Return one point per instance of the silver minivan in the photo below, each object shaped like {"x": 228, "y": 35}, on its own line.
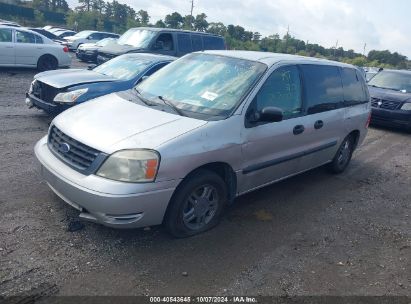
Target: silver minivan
{"x": 198, "y": 133}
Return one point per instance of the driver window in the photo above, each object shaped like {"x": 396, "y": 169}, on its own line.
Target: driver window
{"x": 282, "y": 89}
{"x": 164, "y": 42}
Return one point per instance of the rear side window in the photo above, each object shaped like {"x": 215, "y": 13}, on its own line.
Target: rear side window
{"x": 323, "y": 88}
{"x": 24, "y": 37}
{"x": 184, "y": 43}
{"x": 39, "y": 40}
{"x": 5, "y": 35}
{"x": 353, "y": 89}
{"x": 197, "y": 43}
{"x": 213, "y": 43}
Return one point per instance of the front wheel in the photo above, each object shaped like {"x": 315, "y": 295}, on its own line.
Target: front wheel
{"x": 197, "y": 204}
{"x": 343, "y": 156}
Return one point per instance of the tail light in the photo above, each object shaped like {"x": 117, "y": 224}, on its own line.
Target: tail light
{"x": 65, "y": 49}
{"x": 368, "y": 120}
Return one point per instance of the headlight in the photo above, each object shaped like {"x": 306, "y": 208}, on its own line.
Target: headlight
{"x": 69, "y": 97}
{"x": 31, "y": 86}
{"x": 137, "y": 166}
{"x": 406, "y": 106}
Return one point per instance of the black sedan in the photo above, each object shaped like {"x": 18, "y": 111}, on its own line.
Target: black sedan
{"x": 390, "y": 92}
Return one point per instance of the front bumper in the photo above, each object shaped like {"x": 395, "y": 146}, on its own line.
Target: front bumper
{"x": 86, "y": 55}
{"x": 396, "y": 118}
{"x": 111, "y": 203}
{"x": 50, "y": 108}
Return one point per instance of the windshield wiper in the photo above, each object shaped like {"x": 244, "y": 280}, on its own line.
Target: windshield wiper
{"x": 144, "y": 100}
{"x": 171, "y": 105}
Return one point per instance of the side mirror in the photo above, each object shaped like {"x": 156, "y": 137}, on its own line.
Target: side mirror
{"x": 268, "y": 114}
{"x": 89, "y": 38}
{"x": 91, "y": 66}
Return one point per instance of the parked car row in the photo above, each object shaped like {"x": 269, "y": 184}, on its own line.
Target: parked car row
{"x": 184, "y": 142}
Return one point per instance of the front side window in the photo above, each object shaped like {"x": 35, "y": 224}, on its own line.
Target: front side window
{"x": 282, "y": 90}
{"x": 6, "y": 35}
{"x": 24, "y": 37}
{"x": 164, "y": 42}
{"x": 137, "y": 38}
{"x": 398, "y": 81}
{"x": 124, "y": 67}
{"x": 203, "y": 84}
{"x": 323, "y": 88}
{"x": 213, "y": 43}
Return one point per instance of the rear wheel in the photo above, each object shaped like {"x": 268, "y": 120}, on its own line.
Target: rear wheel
{"x": 46, "y": 63}
{"x": 343, "y": 156}
{"x": 197, "y": 204}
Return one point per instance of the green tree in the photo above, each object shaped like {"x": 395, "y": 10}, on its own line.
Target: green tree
{"x": 175, "y": 20}
{"x": 160, "y": 23}
{"x": 143, "y": 16}
{"x": 200, "y": 23}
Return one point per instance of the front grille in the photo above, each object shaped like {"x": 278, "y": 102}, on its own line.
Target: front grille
{"x": 78, "y": 155}
{"x": 44, "y": 91}
{"x": 385, "y": 104}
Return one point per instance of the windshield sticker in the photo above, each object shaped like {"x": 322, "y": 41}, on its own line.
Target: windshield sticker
{"x": 209, "y": 95}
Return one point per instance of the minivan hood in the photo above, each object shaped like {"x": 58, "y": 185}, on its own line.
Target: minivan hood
{"x": 118, "y": 49}
{"x": 111, "y": 123}
{"x": 64, "y": 78}
{"x": 388, "y": 94}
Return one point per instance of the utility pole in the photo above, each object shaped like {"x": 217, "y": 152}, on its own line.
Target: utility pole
{"x": 335, "y": 48}
{"x": 286, "y": 38}
{"x": 365, "y": 44}
{"x": 191, "y": 12}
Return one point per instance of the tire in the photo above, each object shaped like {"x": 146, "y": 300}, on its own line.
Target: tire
{"x": 46, "y": 63}
{"x": 197, "y": 204}
{"x": 343, "y": 156}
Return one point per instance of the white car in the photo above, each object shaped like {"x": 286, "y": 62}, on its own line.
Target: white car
{"x": 24, "y": 48}
{"x": 73, "y": 42}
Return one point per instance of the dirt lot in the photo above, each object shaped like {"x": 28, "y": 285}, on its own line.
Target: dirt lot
{"x": 314, "y": 234}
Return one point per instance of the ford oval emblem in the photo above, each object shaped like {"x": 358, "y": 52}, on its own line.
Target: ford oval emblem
{"x": 64, "y": 148}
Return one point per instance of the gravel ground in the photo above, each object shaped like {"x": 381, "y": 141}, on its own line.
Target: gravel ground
{"x": 314, "y": 234}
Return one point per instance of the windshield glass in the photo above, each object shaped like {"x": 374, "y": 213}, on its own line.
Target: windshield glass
{"x": 83, "y": 34}
{"x": 203, "y": 83}
{"x": 123, "y": 67}
{"x": 392, "y": 80}
{"x": 137, "y": 38}
{"x": 105, "y": 41}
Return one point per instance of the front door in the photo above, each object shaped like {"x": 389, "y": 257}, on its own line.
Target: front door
{"x": 6, "y": 46}
{"x": 272, "y": 151}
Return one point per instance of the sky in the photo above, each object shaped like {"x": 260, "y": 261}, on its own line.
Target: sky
{"x": 380, "y": 24}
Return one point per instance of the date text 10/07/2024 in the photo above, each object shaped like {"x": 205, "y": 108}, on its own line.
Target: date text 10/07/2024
{"x": 204, "y": 299}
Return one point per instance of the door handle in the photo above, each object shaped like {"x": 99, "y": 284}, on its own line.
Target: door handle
{"x": 298, "y": 129}
{"x": 318, "y": 124}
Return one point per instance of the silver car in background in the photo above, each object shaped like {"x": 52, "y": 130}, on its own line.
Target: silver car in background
{"x": 21, "y": 47}
{"x": 203, "y": 130}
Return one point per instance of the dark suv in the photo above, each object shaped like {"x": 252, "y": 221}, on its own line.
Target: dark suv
{"x": 390, "y": 92}
{"x": 160, "y": 41}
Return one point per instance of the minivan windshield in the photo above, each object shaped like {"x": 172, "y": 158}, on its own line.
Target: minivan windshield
{"x": 398, "y": 81}
{"x": 203, "y": 83}
{"x": 137, "y": 38}
{"x": 124, "y": 67}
